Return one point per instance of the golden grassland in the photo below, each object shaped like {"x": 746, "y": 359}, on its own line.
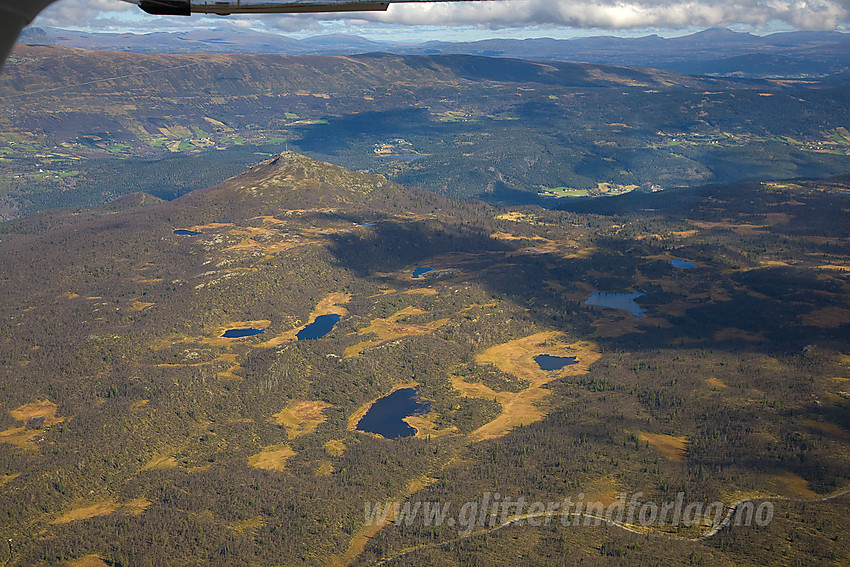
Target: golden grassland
{"x": 134, "y": 507}
{"x": 249, "y": 526}
{"x": 210, "y": 226}
{"x": 7, "y": 478}
{"x": 828, "y": 428}
{"x": 39, "y": 408}
{"x": 228, "y": 358}
{"x": 716, "y": 383}
{"x": 520, "y": 217}
{"x": 674, "y": 448}
{"x": 160, "y": 462}
{"x": 324, "y": 468}
{"x": 792, "y": 484}
{"x": 517, "y": 358}
{"x": 20, "y": 437}
{"x": 732, "y": 334}
{"x": 92, "y": 560}
{"x": 23, "y": 437}
{"x": 335, "y": 447}
{"x": 102, "y": 508}
{"x": 357, "y": 544}
{"x": 272, "y": 458}
{"x": 301, "y": 417}
{"x": 140, "y": 305}
{"x": 212, "y": 337}
{"x": 512, "y": 237}
{"x": 391, "y": 328}
{"x": 332, "y": 304}
{"x": 426, "y": 291}
{"x": 230, "y": 372}
{"x": 828, "y": 317}
{"x": 742, "y": 229}
{"x": 426, "y": 428}
{"x": 606, "y": 489}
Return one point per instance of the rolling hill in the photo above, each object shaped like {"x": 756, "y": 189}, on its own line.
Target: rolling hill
{"x": 134, "y": 432}
{"x": 75, "y": 121}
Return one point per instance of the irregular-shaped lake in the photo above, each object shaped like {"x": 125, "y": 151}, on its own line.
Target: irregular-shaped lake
{"x": 617, "y": 301}
{"x": 549, "y": 362}
{"x": 420, "y": 271}
{"x": 241, "y": 333}
{"x": 386, "y": 414}
{"x": 184, "y": 232}
{"x": 323, "y": 325}
{"x": 682, "y": 264}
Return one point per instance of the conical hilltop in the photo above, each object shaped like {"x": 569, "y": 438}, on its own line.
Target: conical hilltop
{"x": 294, "y": 179}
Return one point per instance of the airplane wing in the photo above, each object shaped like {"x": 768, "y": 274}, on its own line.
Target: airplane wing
{"x": 17, "y": 14}
{"x": 227, "y": 7}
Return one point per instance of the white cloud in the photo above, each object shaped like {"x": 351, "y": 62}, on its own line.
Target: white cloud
{"x": 287, "y": 23}
{"x": 496, "y": 14}
{"x": 80, "y": 12}
{"x": 619, "y": 14}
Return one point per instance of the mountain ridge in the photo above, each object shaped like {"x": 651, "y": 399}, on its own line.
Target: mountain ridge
{"x": 692, "y": 53}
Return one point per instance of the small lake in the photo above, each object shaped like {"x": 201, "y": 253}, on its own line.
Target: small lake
{"x": 185, "y": 232}
{"x": 242, "y": 333}
{"x": 386, "y": 414}
{"x": 617, "y": 301}
{"x": 420, "y": 271}
{"x": 549, "y": 362}
{"x": 682, "y": 264}
{"x": 323, "y": 325}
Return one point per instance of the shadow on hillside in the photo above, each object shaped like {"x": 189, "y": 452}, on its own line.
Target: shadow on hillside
{"x": 729, "y": 303}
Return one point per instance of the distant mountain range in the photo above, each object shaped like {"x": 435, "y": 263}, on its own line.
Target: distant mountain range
{"x": 720, "y": 52}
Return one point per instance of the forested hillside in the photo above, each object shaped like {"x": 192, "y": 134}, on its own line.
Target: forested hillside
{"x": 133, "y": 432}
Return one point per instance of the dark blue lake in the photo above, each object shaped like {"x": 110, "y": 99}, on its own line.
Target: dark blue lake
{"x": 617, "y": 301}
{"x": 549, "y": 362}
{"x": 323, "y": 325}
{"x": 682, "y": 264}
{"x": 419, "y": 271}
{"x": 241, "y": 333}
{"x": 386, "y": 414}
{"x": 184, "y": 232}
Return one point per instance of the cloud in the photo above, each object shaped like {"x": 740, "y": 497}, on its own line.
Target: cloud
{"x": 286, "y": 23}
{"x": 501, "y": 14}
{"x": 619, "y": 14}
{"x": 80, "y": 12}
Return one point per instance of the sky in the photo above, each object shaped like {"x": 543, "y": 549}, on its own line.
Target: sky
{"x": 456, "y": 21}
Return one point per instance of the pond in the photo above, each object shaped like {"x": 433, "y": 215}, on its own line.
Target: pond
{"x": 549, "y": 362}
{"x": 241, "y": 333}
{"x": 323, "y": 325}
{"x": 386, "y": 414}
{"x": 420, "y": 271}
{"x": 185, "y": 232}
{"x": 617, "y": 301}
{"x": 682, "y": 264}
